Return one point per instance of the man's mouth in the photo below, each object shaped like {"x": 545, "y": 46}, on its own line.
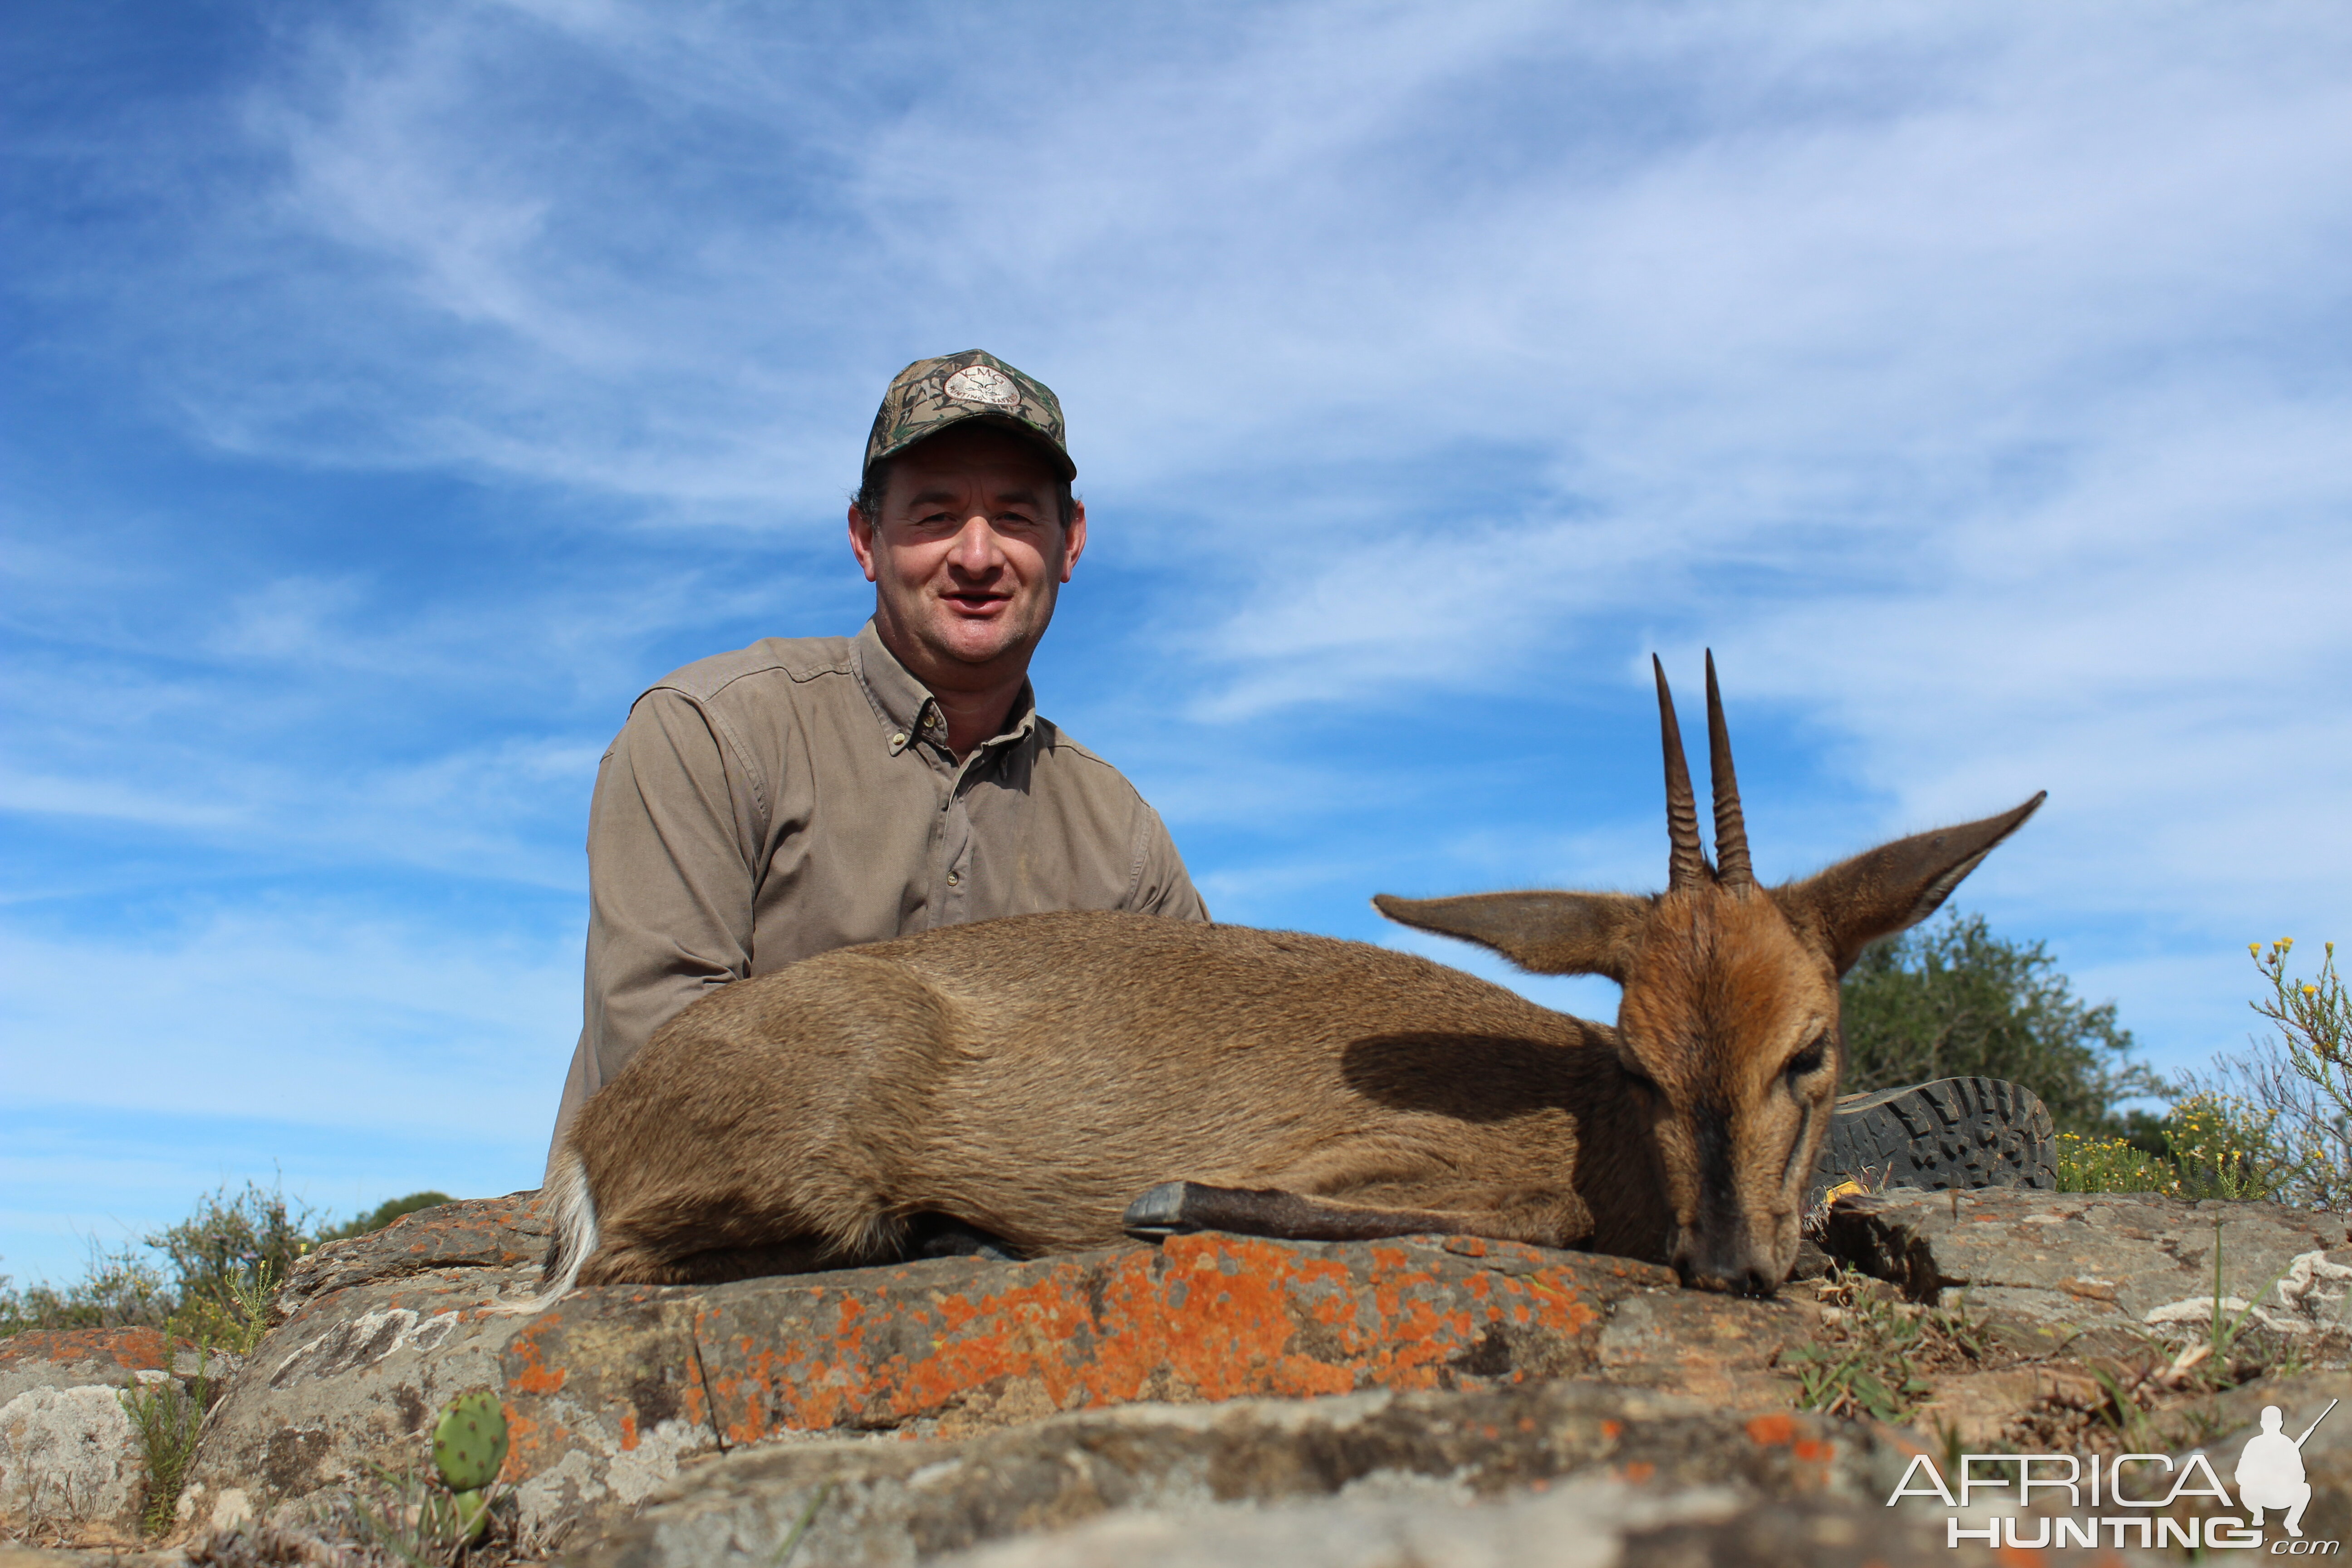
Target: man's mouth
{"x": 977, "y": 602}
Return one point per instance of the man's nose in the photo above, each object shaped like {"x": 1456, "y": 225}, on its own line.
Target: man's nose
{"x": 977, "y": 548}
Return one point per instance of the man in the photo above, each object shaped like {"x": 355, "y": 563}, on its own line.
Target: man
{"x": 803, "y": 795}
{"x": 807, "y": 793}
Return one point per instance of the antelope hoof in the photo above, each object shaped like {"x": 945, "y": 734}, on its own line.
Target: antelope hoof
{"x": 1158, "y": 1213}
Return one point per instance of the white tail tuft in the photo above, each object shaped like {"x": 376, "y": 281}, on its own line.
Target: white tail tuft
{"x": 575, "y": 1235}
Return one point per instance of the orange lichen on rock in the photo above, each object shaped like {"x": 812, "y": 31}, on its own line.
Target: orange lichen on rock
{"x": 133, "y": 1350}
{"x": 534, "y": 1376}
{"x": 1206, "y": 1317}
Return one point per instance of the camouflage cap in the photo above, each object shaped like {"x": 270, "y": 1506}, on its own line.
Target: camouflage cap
{"x": 931, "y": 394}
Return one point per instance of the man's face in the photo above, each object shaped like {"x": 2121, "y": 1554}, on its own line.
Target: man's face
{"x": 970, "y": 549}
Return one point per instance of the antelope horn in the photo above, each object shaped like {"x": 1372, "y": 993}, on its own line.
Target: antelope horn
{"x": 1730, "y": 826}
{"x": 1686, "y": 866}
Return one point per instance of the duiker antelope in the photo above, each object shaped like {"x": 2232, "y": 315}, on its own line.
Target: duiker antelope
{"x": 1059, "y": 1080}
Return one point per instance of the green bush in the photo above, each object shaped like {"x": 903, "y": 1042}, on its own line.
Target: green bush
{"x": 2090, "y": 1163}
{"x": 220, "y": 1255}
{"x": 2224, "y": 1147}
{"x": 209, "y": 1276}
{"x": 117, "y": 1289}
{"x": 1952, "y": 1000}
{"x": 2298, "y": 1081}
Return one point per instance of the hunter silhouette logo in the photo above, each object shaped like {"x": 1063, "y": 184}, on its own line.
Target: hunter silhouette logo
{"x": 2269, "y": 1478}
{"x": 2270, "y": 1470}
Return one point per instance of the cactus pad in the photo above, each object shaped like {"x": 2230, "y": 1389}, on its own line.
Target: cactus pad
{"x": 470, "y": 1441}
{"x": 473, "y": 1514}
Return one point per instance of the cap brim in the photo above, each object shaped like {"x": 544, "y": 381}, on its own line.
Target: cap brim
{"x": 1063, "y": 466}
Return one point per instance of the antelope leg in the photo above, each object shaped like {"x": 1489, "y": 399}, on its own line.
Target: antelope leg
{"x": 1176, "y": 1208}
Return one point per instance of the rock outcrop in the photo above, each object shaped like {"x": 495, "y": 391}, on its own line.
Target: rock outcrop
{"x": 71, "y": 1468}
{"x": 2104, "y": 1261}
{"x": 1203, "y": 1467}
{"x": 1215, "y": 1398}
{"x": 609, "y": 1392}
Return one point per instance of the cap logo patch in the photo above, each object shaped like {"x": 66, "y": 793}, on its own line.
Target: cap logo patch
{"x": 983, "y": 383}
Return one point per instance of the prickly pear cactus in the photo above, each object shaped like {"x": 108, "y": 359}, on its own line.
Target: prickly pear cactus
{"x": 473, "y": 1514}
{"x": 470, "y": 1441}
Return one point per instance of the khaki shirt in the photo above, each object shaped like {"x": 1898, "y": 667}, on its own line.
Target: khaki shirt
{"x": 765, "y": 805}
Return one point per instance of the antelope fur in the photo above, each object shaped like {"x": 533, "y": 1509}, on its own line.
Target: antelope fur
{"x": 1031, "y": 1076}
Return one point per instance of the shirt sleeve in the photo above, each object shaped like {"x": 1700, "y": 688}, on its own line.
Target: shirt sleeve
{"x": 672, "y": 837}
{"x": 1161, "y": 886}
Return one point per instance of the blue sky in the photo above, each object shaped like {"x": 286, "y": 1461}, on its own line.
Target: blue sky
{"x": 394, "y": 392}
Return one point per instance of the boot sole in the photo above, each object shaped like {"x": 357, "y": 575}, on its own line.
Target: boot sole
{"x": 1953, "y": 1133}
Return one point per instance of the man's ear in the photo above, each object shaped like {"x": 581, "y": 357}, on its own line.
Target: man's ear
{"x": 1893, "y": 887}
{"x": 861, "y": 541}
{"x": 1074, "y": 540}
{"x": 1546, "y": 933}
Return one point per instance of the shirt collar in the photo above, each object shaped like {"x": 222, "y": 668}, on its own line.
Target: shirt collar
{"x": 907, "y": 709}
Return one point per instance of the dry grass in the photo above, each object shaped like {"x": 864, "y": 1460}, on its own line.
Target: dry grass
{"x": 392, "y": 1520}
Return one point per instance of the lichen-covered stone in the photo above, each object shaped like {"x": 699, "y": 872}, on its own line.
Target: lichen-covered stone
{"x": 479, "y": 1233}
{"x": 71, "y": 1465}
{"x": 957, "y": 1344}
{"x": 1576, "y": 1472}
{"x": 1404, "y": 1455}
{"x": 352, "y": 1380}
{"x": 1597, "y": 1521}
{"x": 610, "y": 1391}
{"x": 965, "y": 1406}
{"x": 2083, "y": 1261}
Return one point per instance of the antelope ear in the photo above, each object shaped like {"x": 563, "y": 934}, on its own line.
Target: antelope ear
{"x": 1893, "y": 887}
{"x": 1547, "y": 933}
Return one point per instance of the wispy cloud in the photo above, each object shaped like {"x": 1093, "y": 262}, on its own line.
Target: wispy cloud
{"x": 412, "y": 385}
{"x": 327, "y": 1011}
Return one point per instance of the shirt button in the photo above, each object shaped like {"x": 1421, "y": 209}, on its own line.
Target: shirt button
{"x": 953, "y": 880}
{"x": 898, "y": 740}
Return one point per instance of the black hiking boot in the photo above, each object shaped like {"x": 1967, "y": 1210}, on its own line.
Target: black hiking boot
{"x": 943, "y": 1236}
{"x": 1953, "y": 1133}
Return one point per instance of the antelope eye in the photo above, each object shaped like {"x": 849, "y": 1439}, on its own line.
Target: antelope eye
{"x": 1809, "y": 1061}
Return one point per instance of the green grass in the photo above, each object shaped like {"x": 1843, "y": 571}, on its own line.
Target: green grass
{"x": 168, "y": 1419}
{"x": 1873, "y": 1349}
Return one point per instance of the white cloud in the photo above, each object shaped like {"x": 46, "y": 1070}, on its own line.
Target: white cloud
{"x": 1970, "y": 378}
{"x": 326, "y": 1012}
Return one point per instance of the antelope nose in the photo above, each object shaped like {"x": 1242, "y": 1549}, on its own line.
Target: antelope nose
{"x": 1740, "y": 1275}
{"x": 1748, "y": 1281}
